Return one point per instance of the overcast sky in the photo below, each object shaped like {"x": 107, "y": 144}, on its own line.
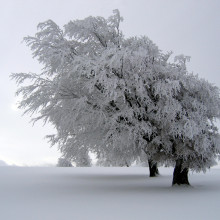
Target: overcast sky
{"x": 189, "y": 27}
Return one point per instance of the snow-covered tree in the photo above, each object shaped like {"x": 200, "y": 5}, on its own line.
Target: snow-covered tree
{"x": 63, "y": 162}
{"x": 186, "y": 135}
{"x": 119, "y": 98}
{"x": 68, "y": 92}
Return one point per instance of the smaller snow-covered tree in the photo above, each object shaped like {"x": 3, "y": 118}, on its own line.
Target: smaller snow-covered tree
{"x": 63, "y": 162}
{"x": 186, "y": 135}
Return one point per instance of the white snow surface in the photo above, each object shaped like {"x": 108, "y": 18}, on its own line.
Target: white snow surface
{"x": 28, "y": 193}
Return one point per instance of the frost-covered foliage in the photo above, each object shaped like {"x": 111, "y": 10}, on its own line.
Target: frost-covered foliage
{"x": 186, "y": 116}
{"x": 63, "y": 162}
{"x": 118, "y": 97}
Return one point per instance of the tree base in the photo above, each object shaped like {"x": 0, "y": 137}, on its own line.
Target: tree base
{"x": 153, "y": 168}
{"x": 180, "y": 176}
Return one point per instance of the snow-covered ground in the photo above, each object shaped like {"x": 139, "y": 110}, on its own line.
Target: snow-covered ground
{"x": 106, "y": 194}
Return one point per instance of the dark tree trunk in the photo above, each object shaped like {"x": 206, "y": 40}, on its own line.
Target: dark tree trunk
{"x": 180, "y": 175}
{"x": 153, "y": 168}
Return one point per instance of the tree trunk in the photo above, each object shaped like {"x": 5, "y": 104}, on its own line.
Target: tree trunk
{"x": 180, "y": 175}
{"x": 153, "y": 168}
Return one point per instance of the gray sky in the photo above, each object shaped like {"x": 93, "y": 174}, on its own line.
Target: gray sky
{"x": 189, "y": 27}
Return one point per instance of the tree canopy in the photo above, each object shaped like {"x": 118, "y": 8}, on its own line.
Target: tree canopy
{"x": 118, "y": 97}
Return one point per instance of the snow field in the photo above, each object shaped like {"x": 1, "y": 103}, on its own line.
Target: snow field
{"x": 105, "y": 194}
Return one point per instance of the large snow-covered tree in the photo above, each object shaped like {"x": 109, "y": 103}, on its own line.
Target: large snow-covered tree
{"x": 119, "y": 97}
{"x": 69, "y": 91}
